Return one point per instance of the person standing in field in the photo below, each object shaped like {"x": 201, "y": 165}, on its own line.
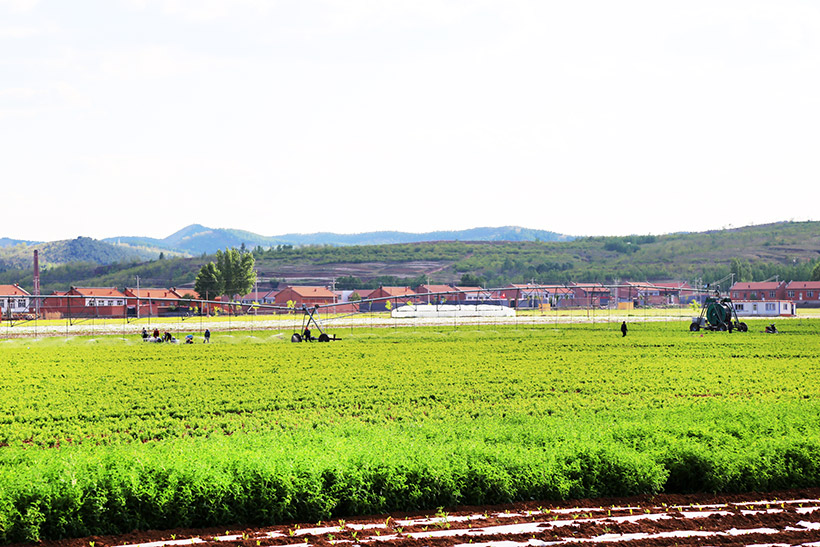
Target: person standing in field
{"x": 623, "y": 328}
{"x": 207, "y": 336}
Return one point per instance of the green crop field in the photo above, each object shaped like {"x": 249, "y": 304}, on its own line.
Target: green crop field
{"x": 110, "y": 434}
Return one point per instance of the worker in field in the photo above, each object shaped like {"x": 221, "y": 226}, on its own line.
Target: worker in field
{"x": 623, "y": 329}
{"x": 207, "y": 336}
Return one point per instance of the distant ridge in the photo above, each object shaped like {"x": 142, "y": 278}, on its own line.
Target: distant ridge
{"x": 6, "y": 242}
{"x": 81, "y": 249}
{"x": 197, "y": 239}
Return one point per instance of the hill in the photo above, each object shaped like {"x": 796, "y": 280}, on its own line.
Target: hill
{"x": 789, "y": 250}
{"x": 6, "y": 242}
{"x": 197, "y": 239}
{"x": 83, "y": 249}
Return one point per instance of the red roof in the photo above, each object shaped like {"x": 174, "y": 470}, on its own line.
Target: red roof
{"x": 591, "y": 287}
{"x": 152, "y": 293}
{"x": 810, "y": 285}
{"x": 98, "y": 291}
{"x": 312, "y": 292}
{"x": 755, "y": 286}
{"x": 13, "y": 290}
{"x": 396, "y": 291}
{"x": 434, "y": 288}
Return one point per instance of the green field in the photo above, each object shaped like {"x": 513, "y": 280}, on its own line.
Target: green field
{"x": 109, "y": 434}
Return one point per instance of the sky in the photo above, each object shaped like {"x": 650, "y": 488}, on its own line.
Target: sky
{"x": 139, "y": 117}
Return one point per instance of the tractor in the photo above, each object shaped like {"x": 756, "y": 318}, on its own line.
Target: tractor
{"x": 717, "y": 314}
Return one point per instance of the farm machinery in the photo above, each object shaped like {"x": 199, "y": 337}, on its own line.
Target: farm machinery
{"x": 717, "y": 314}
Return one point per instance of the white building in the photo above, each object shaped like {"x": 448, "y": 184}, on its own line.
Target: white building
{"x": 765, "y": 308}
{"x": 14, "y": 297}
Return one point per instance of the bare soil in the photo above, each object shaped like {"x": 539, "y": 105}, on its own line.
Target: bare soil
{"x": 781, "y": 518}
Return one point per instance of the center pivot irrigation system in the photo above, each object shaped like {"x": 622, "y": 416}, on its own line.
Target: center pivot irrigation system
{"x": 717, "y": 314}
{"x": 310, "y": 315}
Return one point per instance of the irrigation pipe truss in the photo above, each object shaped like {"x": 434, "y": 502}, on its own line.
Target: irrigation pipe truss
{"x": 563, "y": 300}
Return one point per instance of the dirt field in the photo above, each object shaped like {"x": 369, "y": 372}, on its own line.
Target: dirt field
{"x": 779, "y": 518}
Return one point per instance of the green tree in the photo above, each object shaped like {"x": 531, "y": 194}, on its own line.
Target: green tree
{"x": 236, "y": 271}
{"x": 815, "y": 273}
{"x": 741, "y": 269}
{"x": 208, "y": 282}
{"x": 471, "y": 280}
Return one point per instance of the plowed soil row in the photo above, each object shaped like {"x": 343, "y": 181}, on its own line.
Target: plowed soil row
{"x": 779, "y": 518}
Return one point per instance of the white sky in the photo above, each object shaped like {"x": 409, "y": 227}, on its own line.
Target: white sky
{"x": 139, "y": 117}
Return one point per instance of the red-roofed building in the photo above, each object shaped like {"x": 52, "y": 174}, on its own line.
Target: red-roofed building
{"x": 152, "y": 302}
{"x": 758, "y": 290}
{"x": 193, "y": 300}
{"x": 472, "y": 295}
{"x": 590, "y": 295}
{"x": 347, "y": 301}
{"x": 427, "y": 294}
{"x": 520, "y": 295}
{"x": 400, "y": 295}
{"x": 397, "y": 296}
{"x": 14, "y": 300}
{"x": 804, "y": 293}
{"x": 52, "y": 304}
{"x": 654, "y": 294}
{"x": 674, "y": 293}
{"x": 87, "y": 302}
{"x": 305, "y": 296}
{"x": 361, "y": 293}
{"x": 257, "y": 301}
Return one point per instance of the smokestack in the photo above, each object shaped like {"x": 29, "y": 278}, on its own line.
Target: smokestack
{"x": 37, "y": 282}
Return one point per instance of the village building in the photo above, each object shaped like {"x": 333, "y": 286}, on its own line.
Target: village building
{"x": 472, "y": 295}
{"x": 759, "y": 290}
{"x": 348, "y": 300}
{"x": 307, "y": 296}
{"x": 396, "y": 296}
{"x": 14, "y": 300}
{"x": 260, "y": 297}
{"x": 527, "y": 295}
{"x": 259, "y": 301}
{"x": 765, "y": 308}
{"x": 354, "y": 295}
{"x": 151, "y": 302}
{"x": 590, "y": 295}
{"x": 436, "y": 294}
{"x": 86, "y": 302}
{"x": 804, "y": 293}
{"x": 675, "y": 293}
{"x": 670, "y": 293}
{"x": 196, "y": 304}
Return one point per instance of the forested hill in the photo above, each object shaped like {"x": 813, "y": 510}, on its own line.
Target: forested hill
{"x": 19, "y": 255}
{"x": 197, "y": 239}
{"x": 790, "y": 250}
